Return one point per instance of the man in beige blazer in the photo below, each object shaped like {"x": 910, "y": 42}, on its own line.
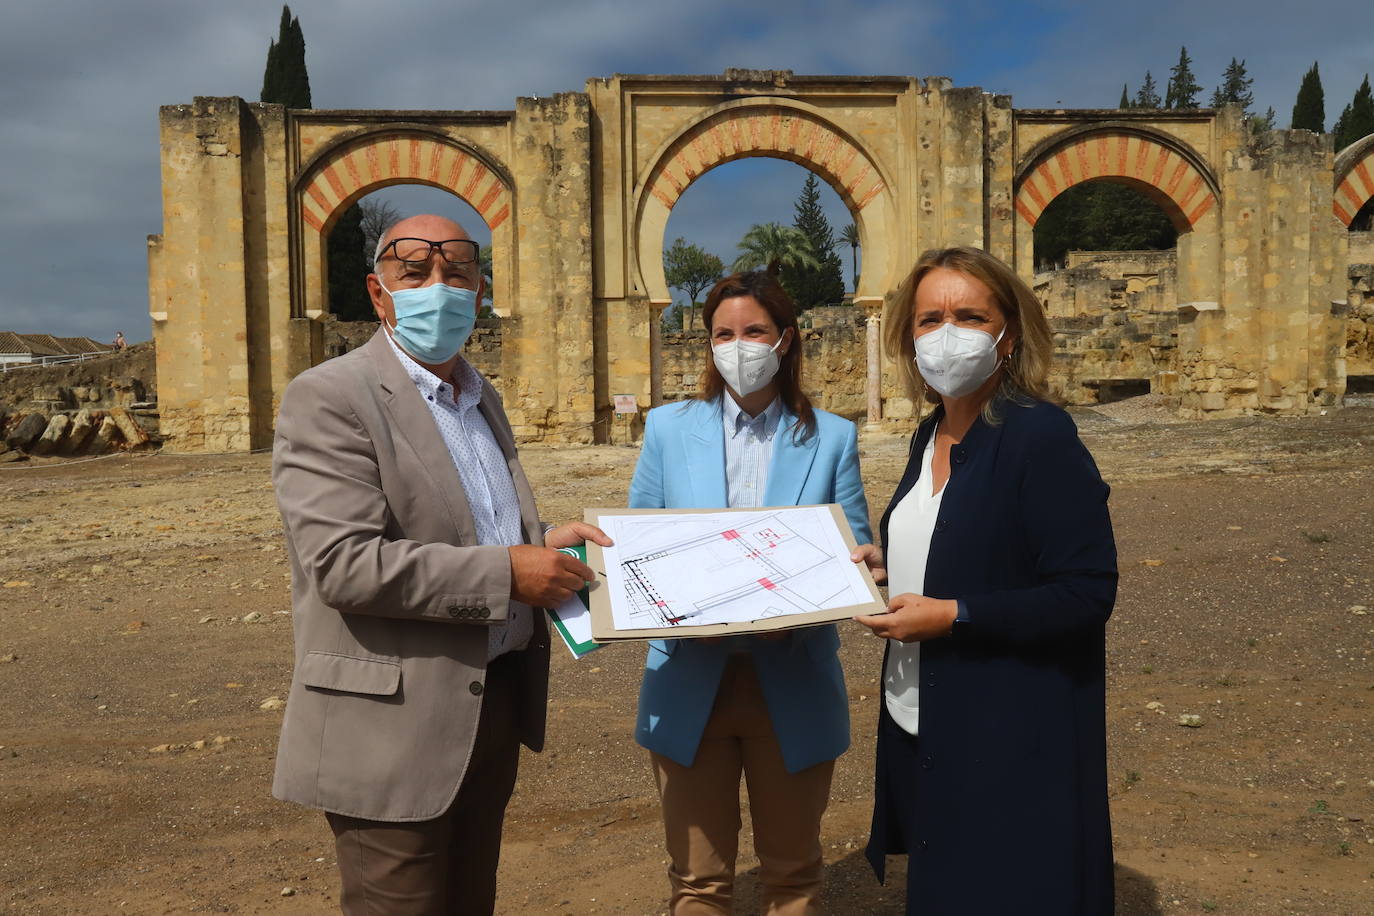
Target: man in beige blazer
{"x": 418, "y": 563}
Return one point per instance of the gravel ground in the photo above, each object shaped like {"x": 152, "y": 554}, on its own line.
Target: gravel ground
{"x": 130, "y": 587}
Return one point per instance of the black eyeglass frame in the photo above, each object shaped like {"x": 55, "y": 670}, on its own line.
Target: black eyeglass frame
{"x": 433, "y": 247}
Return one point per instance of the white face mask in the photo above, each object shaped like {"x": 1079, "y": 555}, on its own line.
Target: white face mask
{"x": 747, "y": 366}
{"x": 957, "y": 361}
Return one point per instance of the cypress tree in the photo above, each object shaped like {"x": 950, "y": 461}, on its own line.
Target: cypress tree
{"x": 1357, "y": 120}
{"x": 286, "y": 82}
{"x": 824, "y": 283}
{"x": 1309, "y": 111}
{"x": 284, "y": 79}
{"x": 1234, "y": 88}
{"x": 1147, "y": 96}
{"x": 1183, "y": 86}
{"x": 1125, "y": 98}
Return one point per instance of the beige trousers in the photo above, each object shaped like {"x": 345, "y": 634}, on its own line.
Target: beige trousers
{"x": 701, "y": 809}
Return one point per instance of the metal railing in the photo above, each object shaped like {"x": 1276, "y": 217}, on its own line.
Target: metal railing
{"x": 58, "y": 360}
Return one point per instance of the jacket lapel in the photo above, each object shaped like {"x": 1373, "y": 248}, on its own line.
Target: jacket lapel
{"x": 913, "y": 467}
{"x": 791, "y": 463}
{"x": 703, "y": 442}
{"x": 412, "y": 421}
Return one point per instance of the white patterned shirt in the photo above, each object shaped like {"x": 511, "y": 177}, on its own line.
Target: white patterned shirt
{"x": 748, "y": 451}
{"x": 484, "y": 474}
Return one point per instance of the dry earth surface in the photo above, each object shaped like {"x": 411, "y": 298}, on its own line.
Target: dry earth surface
{"x": 128, "y": 636}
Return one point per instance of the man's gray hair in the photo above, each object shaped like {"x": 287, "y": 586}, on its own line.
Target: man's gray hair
{"x": 381, "y": 243}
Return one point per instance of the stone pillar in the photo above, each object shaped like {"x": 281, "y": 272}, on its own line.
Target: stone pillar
{"x": 656, "y": 309}
{"x": 873, "y": 337}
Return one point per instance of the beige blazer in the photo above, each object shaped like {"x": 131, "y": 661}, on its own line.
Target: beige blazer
{"x": 390, "y": 594}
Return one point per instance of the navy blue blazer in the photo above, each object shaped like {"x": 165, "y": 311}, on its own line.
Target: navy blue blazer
{"x": 1009, "y": 781}
{"x": 682, "y": 466}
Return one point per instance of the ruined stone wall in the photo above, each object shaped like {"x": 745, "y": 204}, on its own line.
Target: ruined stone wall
{"x": 833, "y": 361}
{"x": 1359, "y": 323}
{"x": 483, "y": 349}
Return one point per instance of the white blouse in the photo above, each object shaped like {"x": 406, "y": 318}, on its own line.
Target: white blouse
{"x": 908, "y": 545}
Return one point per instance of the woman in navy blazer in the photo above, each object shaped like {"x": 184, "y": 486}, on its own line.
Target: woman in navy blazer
{"x": 773, "y": 708}
{"x": 991, "y": 764}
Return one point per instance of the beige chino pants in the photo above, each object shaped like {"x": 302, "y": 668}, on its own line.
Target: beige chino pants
{"x": 701, "y": 809}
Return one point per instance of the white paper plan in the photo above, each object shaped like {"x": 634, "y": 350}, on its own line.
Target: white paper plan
{"x": 708, "y": 568}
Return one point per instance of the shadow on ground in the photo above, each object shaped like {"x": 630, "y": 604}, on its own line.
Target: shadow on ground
{"x": 852, "y": 890}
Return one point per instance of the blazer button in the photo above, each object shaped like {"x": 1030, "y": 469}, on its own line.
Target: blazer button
{"x": 941, "y": 525}
{"x": 960, "y": 456}
{"x": 485, "y": 612}
{"x": 475, "y": 688}
{"x": 455, "y": 611}
{"x": 930, "y": 679}
{"x": 928, "y": 762}
{"x": 923, "y": 846}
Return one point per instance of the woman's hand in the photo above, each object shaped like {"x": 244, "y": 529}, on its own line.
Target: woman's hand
{"x": 913, "y": 618}
{"x": 872, "y": 557}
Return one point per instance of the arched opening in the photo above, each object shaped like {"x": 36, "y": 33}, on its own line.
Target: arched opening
{"x": 1353, "y": 205}
{"x": 449, "y": 177}
{"x": 1119, "y": 228}
{"x": 731, "y": 216}
{"x": 352, "y": 241}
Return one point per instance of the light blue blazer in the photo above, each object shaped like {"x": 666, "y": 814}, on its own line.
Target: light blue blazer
{"x": 682, "y": 466}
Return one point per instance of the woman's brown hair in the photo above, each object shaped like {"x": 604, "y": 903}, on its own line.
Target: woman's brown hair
{"x": 1025, "y": 375}
{"x": 770, "y": 295}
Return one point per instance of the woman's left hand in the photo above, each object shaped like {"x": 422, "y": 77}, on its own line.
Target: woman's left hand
{"x": 913, "y": 618}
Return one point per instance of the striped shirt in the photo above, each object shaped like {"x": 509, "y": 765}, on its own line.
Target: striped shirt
{"x": 748, "y": 451}
{"x": 484, "y": 474}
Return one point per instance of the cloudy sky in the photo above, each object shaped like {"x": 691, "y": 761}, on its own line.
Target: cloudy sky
{"x": 81, "y": 82}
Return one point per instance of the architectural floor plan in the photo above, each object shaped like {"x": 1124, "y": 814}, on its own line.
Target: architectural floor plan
{"x": 669, "y": 570}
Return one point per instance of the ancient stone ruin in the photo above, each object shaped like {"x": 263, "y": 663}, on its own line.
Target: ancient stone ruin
{"x": 1253, "y": 313}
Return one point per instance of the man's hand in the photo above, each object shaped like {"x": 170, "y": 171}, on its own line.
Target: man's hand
{"x": 544, "y": 577}
{"x": 913, "y": 618}
{"x": 872, "y": 557}
{"x": 574, "y": 533}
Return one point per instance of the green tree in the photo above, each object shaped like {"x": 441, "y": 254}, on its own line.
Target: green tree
{"x": 1309, "y": 111}
{"x": 1100, "y": 216}
{"x": 1125, "y": 98}
{"x": 1234, "y": 88}
{"x": 691, "y": 269}
{"x": 284, "y": 79}
{"x": 286, "y": 82}
{"x": 484, "y": 265}
{"x": 1147, "y": 96}
{"x": 1183, "y": 86}
{"x": 348, "y": 267}
{"x": 850, "y": 237}
{"x": 770, "y": 246}
{"x": 823, "y": 283}
{"x": 1357, "y": 119}
{"x": 1260, "y": 123}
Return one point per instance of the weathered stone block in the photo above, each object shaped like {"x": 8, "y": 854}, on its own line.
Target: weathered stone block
{"x": 28, "y": 428}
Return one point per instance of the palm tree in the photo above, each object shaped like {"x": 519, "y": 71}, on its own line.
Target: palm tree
{"x": 772, "y": 245}
{"x": 850, "y": 237}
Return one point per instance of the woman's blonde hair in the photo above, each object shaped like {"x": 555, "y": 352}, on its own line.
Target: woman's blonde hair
{"x": 1025, "y": 375}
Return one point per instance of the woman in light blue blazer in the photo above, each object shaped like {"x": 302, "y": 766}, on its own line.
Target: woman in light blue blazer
{"x": 771, "y": 708}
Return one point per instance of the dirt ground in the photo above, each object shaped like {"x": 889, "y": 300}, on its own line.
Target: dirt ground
{"x": 1247, "y": 599}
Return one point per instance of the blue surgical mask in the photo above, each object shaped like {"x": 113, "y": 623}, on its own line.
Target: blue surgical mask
{"x": 433, "y": 322}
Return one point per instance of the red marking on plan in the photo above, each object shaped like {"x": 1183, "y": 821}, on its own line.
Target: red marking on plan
{"x": 766, "y": 583}
{"x": 661, "y": 603}
{"x": 731, "y": 535}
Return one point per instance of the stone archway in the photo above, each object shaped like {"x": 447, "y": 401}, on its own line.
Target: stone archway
{"x": 1160, "y": 166}
{"x": 1354, "y": 174}
{"x": 360, "y": 163}
{"x": 771, "y": 128}
{"x": 577, "y": 188}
